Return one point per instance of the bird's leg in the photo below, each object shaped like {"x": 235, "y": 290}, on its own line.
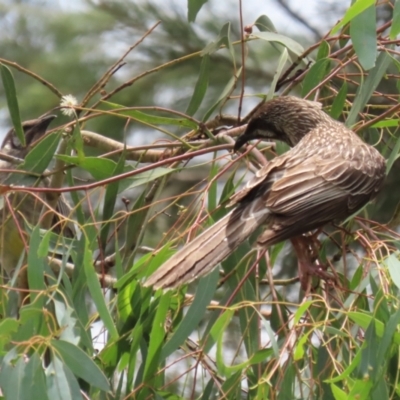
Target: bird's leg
{"x": 306, "y": 248}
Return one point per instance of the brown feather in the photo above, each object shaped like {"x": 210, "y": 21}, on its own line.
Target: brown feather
{"x": 328, "y": 174}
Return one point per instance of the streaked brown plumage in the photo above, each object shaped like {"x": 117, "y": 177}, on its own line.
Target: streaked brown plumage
{"x": 329, "y": 174}
{"x": 34, "y": 129}
{"x": 26, "y": 208}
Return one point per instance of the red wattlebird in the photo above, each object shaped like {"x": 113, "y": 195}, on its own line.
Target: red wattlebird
{"x": 328, "y": 174}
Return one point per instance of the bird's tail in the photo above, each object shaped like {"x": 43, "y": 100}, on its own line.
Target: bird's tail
{"x": 201, "y": 255}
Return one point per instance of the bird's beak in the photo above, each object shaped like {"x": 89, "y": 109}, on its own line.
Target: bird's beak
{"x": 243, "y": 139}
{"x": 42, "y": 123}
{"x": 36, "y": 129}
{"x": 252, "y": 131}
{"x": 259, "y": 128}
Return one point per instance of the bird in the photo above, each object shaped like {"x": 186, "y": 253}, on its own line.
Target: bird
{"x": 328, "y": 174}
{"x": 25, "y": 207}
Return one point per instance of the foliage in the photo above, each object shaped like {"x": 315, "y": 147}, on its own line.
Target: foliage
{"x": 249, "y": 332}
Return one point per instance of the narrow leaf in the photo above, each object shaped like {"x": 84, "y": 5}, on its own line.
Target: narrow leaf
{"x": 157, "y": 337}
{"x": 226, "y": 92}
{"x": 12, "y": 102}
{"x": 395, "y": 28}
{"x": 363, "y": 36}
{"x": 366, "y": 88}
{"x": 292, "y": 46}
{"x": 281, "y": 65}
{"x": 223, "y": 39}
{"x": 315, "y": 75}
{"x": 140, "y": 116}
{"x": 109, "y": 201}
{"x": 356, "y": 8}
{"x": 204, "y": 294}
{"x": 201, "y": 86}
{"x": 97, "y": 294}
{"x": 323, "y": 51}
{"x": 80, "y": 364}
{"x": 61, "y": 383}
{"x": 194, "y": 7}
{"x": 264, "y": 24}
{"x": 393, "y": 265}
{"x": 339, "y": 102}
{"x": 39, "y": 158}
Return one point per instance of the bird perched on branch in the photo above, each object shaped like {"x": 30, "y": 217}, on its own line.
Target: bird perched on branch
{"x": 328, "y": 174}
{"x": 26, "y": 208}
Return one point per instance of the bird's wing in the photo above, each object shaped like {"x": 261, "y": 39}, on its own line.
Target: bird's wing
{"x": 262, "y": 180}
{"x": 309, "y": 192}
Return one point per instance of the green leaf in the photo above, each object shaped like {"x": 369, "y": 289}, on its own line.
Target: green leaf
{"x": 356, "y": 8}
{"x": 348, "y": 371}
{"x": 272, "y": 337}
{"x": 275, "y": 251}
{"x": 226, "y": 92}
{"x": 39, "y": 158}
{"x": 61, "y": 382}
{"x": 363, "y": 36}
{"x": 99, "y": 168}
{"x": 11, "y": 375}
{"x": 157, "y": 337}
{"x": 300, "y": 347}
{"x": 232, "y": 385}
{"x": 217, "y": 330}
{"x": 393, "y": 265}
{"x": 76, "y": 142}
{"x": 339, "y": 102}
{"x": 109, "y": 201}
{"x": 145, "y": 177}
{"x": 97, "y": 293}
{"x": 33, "y": 383}
{"x": 36, "y": 267}
{"x": 301, "y": 310}
{"x": 8, "y": 326}
{"x": 194, "y": 7}
{"x": 315, "y": 75}
{"x": 134, "y": 225}
{"x": 264, "y": 24}
{"x": 102, "y": 168}
{"x": 288, "y": 384}
{"x": 67, "y": 318}
{"x": 339, "y": 394}
{"x": 323, "y": 51}
{"x": 387, "y": 339}
{"x": 43, "y": 249}
{"x": 12, "y": 102}
{"x": 201, "y": 86}
{"x": 80, "y": 364}
{"x": 364, "y": 320}
{"x": 367, "y": 87}
{"x": 149, "y": 119}
{"x": 387, "y": 123}
{"x": 361, "y": 389}
{"x": 228, "y": 190}
{"x": 281, "y": 65}
{"x": 368, "y": 368}
{"x": 204, "y": 294}
{"x": 292, "y": 46}
{"x": 395, "y": 28}
{"x": 223, "y": 38}
{"x": 394, "y": 154}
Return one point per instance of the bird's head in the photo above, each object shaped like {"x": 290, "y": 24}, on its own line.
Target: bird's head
{"x": 285, "y": 118}
{"x": 33, "y": 130}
